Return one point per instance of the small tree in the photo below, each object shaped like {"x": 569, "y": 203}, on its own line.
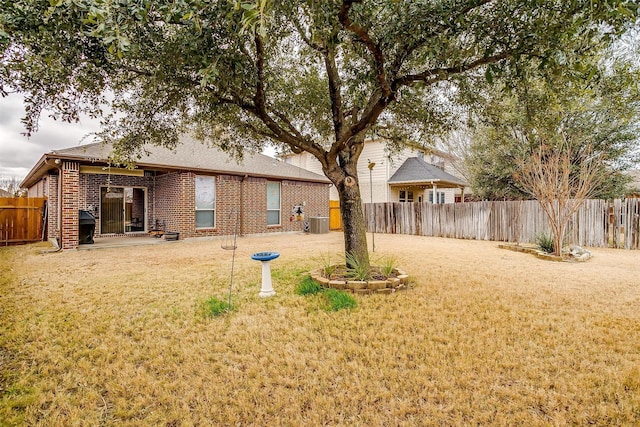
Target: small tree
{"x": 600, "y": 111}
{"x": 561, "y": 177}
{"x": 458, "y": 144}
{"x": 10, "y": 184}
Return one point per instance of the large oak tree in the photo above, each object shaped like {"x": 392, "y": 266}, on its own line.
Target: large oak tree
{"x": 309, "y": 75}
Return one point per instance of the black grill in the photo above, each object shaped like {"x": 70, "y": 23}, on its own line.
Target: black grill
{"x": 86, "y": 227}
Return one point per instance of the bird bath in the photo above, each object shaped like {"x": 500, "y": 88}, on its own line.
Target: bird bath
{"x": 267, "y": 286}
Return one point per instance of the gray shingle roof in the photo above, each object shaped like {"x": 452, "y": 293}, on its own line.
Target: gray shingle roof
{"x": 416, "y": 170}
{"x": 196, "y": 156}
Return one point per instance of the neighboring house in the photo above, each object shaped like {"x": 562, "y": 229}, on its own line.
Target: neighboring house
{"x": 5, "y": 193}
{"x": 634, "y": 185}
{"x": 194, "y": 190}
{"x": 413, "y": 175}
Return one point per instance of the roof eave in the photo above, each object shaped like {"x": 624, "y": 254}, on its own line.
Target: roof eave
{"x": 42, "y": 167}
{"x": 228, "y": 172}
{"x": 428, "y": 181}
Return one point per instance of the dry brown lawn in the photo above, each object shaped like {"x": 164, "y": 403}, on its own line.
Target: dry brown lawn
{"x": 486, "y": 336}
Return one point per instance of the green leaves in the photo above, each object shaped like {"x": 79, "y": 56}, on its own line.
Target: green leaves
{"x": 255, "y": 16}
{"x": 202, "y": 60}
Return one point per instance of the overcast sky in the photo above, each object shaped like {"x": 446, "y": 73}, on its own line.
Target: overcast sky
{"x": 18, "y": 154}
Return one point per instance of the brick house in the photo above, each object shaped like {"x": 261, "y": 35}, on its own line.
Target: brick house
{"x": 633, "y": 189}
{"x": 194, "y": 190}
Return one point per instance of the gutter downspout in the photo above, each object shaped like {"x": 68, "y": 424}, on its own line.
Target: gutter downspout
{"x": 57, "y": 163}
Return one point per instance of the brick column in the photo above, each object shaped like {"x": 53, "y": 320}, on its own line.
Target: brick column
{"x": 70, "y": 181}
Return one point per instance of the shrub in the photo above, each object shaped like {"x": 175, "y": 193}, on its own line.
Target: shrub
{"x": 338, "y": 300}
{"x": 356, "y": 269}
{"x": 308, "y": 286}
{"x": 545, "y": 242}
{"x": 215, "y": 307}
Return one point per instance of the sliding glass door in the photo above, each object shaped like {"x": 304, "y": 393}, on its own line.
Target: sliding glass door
{"x": 122, "y": 210}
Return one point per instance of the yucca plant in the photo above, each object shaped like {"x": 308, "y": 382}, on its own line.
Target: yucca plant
{"x": 356, "y": 269}
{"x": 388, "y": 264}
{"x": 545, "y": 242}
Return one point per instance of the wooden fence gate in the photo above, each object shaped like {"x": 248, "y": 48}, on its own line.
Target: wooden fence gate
{"x": 21, "y": 220}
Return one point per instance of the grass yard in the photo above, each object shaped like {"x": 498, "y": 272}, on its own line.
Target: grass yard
{"x": 486, "y": 336}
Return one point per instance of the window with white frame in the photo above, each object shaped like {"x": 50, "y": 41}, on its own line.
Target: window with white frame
{"x": 205, "y": 201}
{"x": 439, "y": 197}
{"x": 273, "y": 203}
{"x": 406, "y": 196}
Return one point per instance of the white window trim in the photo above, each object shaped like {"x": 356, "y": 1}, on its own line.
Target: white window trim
{"x": 406, "y": 197}
{"x": 440, "y": 196}
{"x": 279, "y": 210}
{"x": 208, "y": 227}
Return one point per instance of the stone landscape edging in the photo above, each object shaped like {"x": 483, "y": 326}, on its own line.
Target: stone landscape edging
{"x": 541, "y": 254}
{"x": 392, "y": 284}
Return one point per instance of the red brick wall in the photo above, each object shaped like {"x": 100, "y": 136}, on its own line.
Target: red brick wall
{"x": 53, "y": 228}
{"x": 175, "y": 204}
{"x": 254, "y": 208}
{"x": 170, "y": 194}
{"x": 228, "y": 208}
{"x": 314, "y": 196}
{"x": 171, "y": 200}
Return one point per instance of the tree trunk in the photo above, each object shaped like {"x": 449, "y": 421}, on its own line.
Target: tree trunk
{"x": 557, "y": 243}
{"x": 559, "y": 235}
{"x": 344, "y": 176}
{"x": 355, "y": 232}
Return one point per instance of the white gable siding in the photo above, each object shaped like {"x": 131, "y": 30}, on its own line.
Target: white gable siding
{"x": 385, "y": 167}
{"x": 379, "y": 174}
{"x": 305, "y": 161}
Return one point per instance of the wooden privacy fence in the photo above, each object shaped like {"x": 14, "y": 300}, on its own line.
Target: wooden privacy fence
{"x": 597, "y": 223}
{"x": 21, "y": 220}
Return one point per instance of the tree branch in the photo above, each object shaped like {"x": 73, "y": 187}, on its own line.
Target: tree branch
{"x": 315, "y": 46}
{"x": 439, "y": 74}
{"x": 408, "y": 50}
{"x": 335, "y": 96}
{"x": 333, "y": 77}
{"x": 259, "y": 97}
{"x": 365, "y": 38}
{"x": 293, "y": 137}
